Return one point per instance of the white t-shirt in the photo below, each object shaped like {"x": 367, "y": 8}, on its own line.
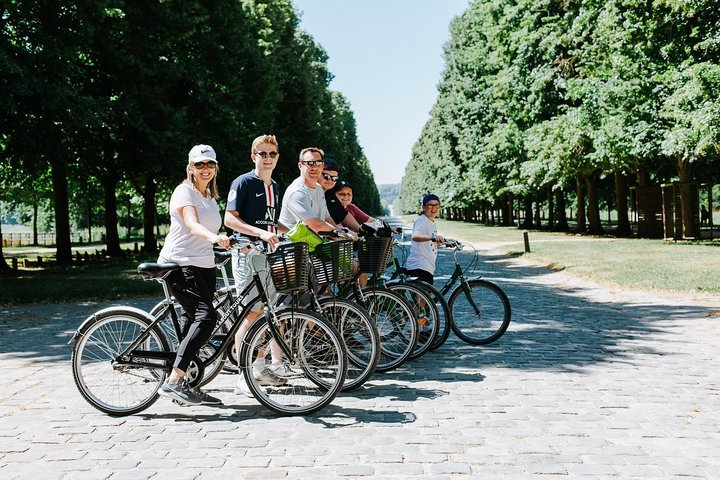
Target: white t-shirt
{"x": 422, "y": 254}
{"x": 181, "y": 246}
{"x": 301, "y": 202}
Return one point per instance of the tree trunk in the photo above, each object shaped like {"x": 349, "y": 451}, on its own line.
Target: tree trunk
{"x": 63, "y": 250}
{"x": 551, "y": 210}
{"x": 593, "y": 205}
{"x": 643, "y": 177}
{"x": 112, "y": 235}
{"x": 149, "y": 214}
{"x": 4, "y": 267}
{"x": 690, "y": 228}
{"x": 621, "y": 201}
{"x": 507, "y": 204}
{"x": 528, "y": 220}
{"x": 89, "y": 221}
{"x": 35, "y": 223}
{"x": 580, "y": 192}
{"x": 562, "y": 220}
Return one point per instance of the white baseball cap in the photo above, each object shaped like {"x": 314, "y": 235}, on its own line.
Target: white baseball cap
{"x": 198, "y": 153}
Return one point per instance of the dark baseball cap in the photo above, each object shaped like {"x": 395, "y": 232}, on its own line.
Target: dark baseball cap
{"x": 331, "y": 164}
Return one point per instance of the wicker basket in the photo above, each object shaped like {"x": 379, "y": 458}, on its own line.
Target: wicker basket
{"x": 332, "y": 261}
{"x": 289, "y": 267}
{"x": 374, "y": 254}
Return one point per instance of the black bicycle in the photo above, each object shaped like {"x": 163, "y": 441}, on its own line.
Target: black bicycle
{"x": 121, "y": 355}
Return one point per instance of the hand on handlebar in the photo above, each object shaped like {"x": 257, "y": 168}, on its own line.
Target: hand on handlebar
{"x": 222, "y": 241}
{"x": 271, "y": 238}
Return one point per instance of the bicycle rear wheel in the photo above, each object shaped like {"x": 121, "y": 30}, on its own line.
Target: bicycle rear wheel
{"x": 425, "y": 312}
{"x": 396, "y": 325}
{"x": 111, "y": 388}
{"x": 480, "y": 312}
{"x": 441, "y": 304}
{"x": 360, "y": 335}
{"x": 318, "y": 362}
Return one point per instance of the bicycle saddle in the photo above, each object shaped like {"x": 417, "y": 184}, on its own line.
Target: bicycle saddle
{"x": 150, "y": 270}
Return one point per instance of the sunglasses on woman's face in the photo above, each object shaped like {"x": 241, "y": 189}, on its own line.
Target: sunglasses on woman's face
{"x": 331, "y": 178}
{"x": 201, "y": 165}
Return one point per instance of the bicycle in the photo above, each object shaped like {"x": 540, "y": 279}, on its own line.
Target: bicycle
{"x": 393, "y": 316}
{"x": 476, "y": 310}
{"x": 121, "y": 355}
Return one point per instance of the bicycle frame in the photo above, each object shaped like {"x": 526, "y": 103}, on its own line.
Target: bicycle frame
{"x": 125, "y": 358}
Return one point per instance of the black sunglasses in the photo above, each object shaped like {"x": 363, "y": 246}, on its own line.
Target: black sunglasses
{"x": 332, "y": 178}
{"x": 201, "y": 165}
{"x": 267, "y": 154}
{"x": 313, "y": 163}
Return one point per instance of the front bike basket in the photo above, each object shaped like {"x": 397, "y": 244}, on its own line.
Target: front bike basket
{"x": 332, "y": 261}
{"x": 374, "y": 253}
{"x": 289, "y": 267}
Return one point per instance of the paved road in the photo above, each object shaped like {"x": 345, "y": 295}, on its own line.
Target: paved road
{"x": 588, "y": 383}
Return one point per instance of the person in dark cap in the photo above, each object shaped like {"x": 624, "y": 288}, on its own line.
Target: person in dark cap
{"x": 423, "y": 248}
{"x": 344, "y": 193}
{"x": 328, "y": 181}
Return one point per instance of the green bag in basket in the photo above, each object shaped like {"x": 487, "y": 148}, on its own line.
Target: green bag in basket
{"x": 301, "y": 233}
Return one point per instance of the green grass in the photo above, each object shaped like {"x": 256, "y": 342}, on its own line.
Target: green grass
{"x": 111, "y": 279}
{"x": 643, "y": 264}
{"x": 654, "y": 265}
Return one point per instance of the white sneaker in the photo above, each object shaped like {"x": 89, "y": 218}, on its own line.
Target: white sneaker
{"x": 258, "y": 368}
{"x": 242, "y": 387}
{"x": 282, "y": 370}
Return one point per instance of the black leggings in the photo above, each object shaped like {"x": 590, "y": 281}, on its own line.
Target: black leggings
{"x": 423, "y": 275}
{"x": 193, "y": 288}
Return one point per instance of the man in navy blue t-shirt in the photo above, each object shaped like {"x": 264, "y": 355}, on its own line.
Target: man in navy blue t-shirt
{"x": 252, "y": 211}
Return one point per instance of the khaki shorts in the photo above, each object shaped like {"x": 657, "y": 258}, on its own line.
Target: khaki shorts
{"x": 243, "y": 266}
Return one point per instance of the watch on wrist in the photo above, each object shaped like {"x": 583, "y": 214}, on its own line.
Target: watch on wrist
{"x": 432, "y": 237}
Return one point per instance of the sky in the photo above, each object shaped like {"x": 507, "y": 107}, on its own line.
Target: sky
{"x": 387, "y": 59}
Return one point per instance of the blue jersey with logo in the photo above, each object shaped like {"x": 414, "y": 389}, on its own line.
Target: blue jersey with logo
{"x": 257, "y": 204}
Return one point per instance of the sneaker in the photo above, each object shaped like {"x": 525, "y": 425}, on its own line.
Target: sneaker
{"x": 242, "y": 387}
{"x": 258, "y": 368}
{"x": 281, "y": 370}
{"x": 180, "y": 391}
{"x": 268, "y": 377}
{"x": 207, "y": 399}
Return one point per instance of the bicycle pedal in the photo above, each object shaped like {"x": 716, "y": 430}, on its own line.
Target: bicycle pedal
{"x": 178, "y": 402}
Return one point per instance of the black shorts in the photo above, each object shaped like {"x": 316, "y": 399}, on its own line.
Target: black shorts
{"x": 423, "y": 275}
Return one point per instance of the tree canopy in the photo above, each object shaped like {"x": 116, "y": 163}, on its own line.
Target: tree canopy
{"x": 111, "y": 94}
{"x": 542, "y": 96}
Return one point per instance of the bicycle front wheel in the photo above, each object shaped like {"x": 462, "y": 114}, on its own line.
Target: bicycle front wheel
{"x": 480, "y": 312}
{"x": 360, "y": 335}
{"x": 396, "y": 324}
{"x": 425, "y": 312}
{"x": 109, "y": 386}
{"x": 314, "y": 372}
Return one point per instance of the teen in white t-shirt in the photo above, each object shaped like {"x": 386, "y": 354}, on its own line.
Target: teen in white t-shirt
{"x": 423, "y": 248}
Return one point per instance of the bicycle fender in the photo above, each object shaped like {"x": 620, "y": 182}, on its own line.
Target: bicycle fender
{"x": 105, "y": 311}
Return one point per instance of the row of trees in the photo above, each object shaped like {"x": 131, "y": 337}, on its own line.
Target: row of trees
{"x": 542, "y": 97}
{"x": 102, "y": 99}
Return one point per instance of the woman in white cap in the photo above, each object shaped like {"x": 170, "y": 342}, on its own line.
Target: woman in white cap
{"x": 194, "y": 225}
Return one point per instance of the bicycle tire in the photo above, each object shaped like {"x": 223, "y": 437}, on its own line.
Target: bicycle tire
{"x": 395, "y": 322}
{"x": 319, "y": 361}
{"x": 441, "y": 303}
{"x": 486, "y": 324}
{"x": 361, "y": 337}
{"x": 425, "y": 311}
{"x": 116, "y": 390}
